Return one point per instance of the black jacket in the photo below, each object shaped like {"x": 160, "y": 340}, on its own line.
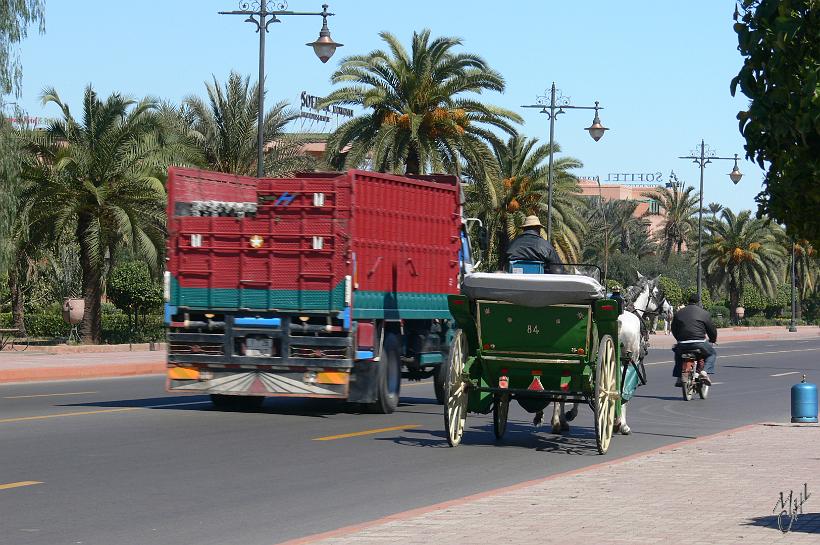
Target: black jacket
{"x": 692, "y": 323}
{"x": 530, "y": 246}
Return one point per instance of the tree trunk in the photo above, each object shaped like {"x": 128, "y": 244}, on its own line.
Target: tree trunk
{"x": 18, "y": 300}
{"x": 734, "y": 298}
{"x": 413, "y": 165}
{"x": 667, "y": 251}
{"x": 91, "y": 326}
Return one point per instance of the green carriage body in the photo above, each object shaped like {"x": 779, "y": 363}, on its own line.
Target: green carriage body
{"x": 545, "y": 353}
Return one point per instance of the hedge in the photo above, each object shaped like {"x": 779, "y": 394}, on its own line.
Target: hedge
{"x": 115, "y": 328}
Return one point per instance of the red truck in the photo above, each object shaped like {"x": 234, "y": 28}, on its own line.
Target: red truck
{"x": 326, "y": 285}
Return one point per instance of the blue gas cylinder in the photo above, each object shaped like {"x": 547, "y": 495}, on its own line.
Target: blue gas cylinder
{"x": 804, "y": 402}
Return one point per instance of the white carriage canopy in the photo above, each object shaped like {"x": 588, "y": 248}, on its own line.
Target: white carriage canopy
{"x": 533, "y": 290}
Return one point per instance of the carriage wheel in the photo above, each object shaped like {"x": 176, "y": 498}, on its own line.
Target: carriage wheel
{"x": 455, "y": 407}
{"x": 501, "y": 407}
{"x": 606, "y": 393}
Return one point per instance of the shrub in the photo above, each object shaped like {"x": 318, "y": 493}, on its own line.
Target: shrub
{"x": 672, "y": 290}
{"x": 115, "y": 327}
{"x": 132, "y": 289}
{"x": 705, "y": 296}
{"x": 719, "y": 310}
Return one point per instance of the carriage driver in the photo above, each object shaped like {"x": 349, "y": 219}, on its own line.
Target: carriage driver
{"x": 531, "y": 246}
{"x": 690, "y": 326}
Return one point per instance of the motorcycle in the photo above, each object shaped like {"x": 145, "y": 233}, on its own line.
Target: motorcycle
{"x": 691, "y": 379}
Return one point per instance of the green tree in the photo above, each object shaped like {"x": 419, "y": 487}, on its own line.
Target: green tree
{"x": 778, "y": 40}
{"x": 224, "y": 130}
{"x": 97, "y": 186}
{"x": 417, "y": 116}
{"x": 503, "y": 200}
{"x": 671, "y": 290}
{"x": 739, "y": 250}
{"x": 678, "y": 223}
{"x": 714, "y": 208}
{"x": 132, "y": 288}
{"x": 15, "y": 18}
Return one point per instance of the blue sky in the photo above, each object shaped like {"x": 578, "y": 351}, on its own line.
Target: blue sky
{"x": 661, "y": 69}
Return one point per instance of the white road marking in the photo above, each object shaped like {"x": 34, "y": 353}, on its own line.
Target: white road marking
{"x": 722, "y": 356}
{"x": 784, "y": 374}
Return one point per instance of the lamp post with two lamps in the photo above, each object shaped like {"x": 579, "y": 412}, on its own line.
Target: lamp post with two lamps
{"x": 703, "y": 158}
{"x": 262, "y": 13}
{"x": 555, "y": 106}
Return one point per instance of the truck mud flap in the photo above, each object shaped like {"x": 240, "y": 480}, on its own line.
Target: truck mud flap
{"x": 364, "y": 382}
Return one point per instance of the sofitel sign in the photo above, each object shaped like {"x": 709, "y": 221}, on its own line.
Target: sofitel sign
{"x": 634, "y": 177}
{"x": 310, "y": 102}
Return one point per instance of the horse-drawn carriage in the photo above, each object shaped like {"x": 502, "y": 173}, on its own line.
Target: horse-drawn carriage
{"x": 535, "y": 339}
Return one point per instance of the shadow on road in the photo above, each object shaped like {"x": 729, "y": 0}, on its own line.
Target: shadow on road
{"x": 808, "y": 523}
{"x": 317, "y": 408}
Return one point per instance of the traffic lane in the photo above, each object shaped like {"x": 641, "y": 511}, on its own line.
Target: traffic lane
{"x": 308, "y": 487}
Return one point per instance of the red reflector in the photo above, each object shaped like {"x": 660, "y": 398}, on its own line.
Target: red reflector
{"x": 566, "y": 373}
{"x": 581, "y": 351}
{"x": 458, "y": 301}
{"x": 536, "y": 384}
{"x": 504, "y": 371}
{"x": 607, "y": 307}
{"x": 536, "y": 373}
{"x": 486, "y": 346}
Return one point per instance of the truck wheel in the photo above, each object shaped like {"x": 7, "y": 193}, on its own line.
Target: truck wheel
{"x": 389, "y": 381}
{"x": 440, "y": 383}
{"x": 236, "y": 403}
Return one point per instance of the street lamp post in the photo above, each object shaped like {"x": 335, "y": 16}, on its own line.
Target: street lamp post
{"x": 262, "y": 13}
{"x": 793, "y": 322}
{"x": 557, "y": 106}
{"x": 705, "y": 157}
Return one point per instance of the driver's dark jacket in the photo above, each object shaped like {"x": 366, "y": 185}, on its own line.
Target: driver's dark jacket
{"x": 692, "y": 323}
{"x": 530, "y": 246}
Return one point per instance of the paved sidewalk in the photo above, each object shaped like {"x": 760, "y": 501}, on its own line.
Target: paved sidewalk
{"x": 32, "y": 365}
{"x": 740, "y": 334}
{"x": 719, "y": 489}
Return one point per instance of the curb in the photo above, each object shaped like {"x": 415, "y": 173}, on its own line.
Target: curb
{"x": 83, "y": 371}
{"x": 404, "y": 515}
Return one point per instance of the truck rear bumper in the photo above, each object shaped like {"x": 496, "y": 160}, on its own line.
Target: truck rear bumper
{"x": 318, "y": 382}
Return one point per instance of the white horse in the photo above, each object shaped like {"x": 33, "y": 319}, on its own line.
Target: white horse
{"x": 643, "y": 298}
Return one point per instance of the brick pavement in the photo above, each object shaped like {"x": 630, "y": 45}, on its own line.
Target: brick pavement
{"x": 719, "y": 489}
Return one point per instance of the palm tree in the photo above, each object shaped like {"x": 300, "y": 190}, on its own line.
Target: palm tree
{"x": 807, "y": 268}
{"x": 417, "y": 118}
{"x": 678, "y": 224}
{"x": 740, "y": 249}
{"x": 97, "y": 185}
{"x": 714, "y": 208}
{"x": 224, "y": 130}
{"x": 502, "y": 201}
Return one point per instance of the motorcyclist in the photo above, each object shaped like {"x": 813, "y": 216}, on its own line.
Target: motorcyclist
{"x": 531, "y": 246}
{"x": 690, "y": 327}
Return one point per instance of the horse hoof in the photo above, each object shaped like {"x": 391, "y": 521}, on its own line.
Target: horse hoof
{"x": 564, "y": 426}
{"x": 625, "y": 430}
{"x": 570, "y": 415}
{"x": 556, "y": 428}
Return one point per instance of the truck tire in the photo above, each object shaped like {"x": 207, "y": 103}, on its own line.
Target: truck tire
{"x": 439, "y": 382}
{"x": 236, "y": 402}
{"x": 388, "y": 387}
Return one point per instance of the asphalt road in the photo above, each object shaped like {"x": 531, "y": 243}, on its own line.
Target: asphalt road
{"x": 118, "y": 461}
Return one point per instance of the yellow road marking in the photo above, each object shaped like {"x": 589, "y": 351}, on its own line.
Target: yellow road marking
{"x": 366, "y": 432}
{"x": 18, "y": 485}
{"x": 46, "y": 416}
{"x": 83, "y": 413}
{"x": 50, "y": 395}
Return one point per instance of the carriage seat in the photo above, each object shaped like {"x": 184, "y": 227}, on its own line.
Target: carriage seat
{"x": 526, "y": 267}
{"x": 533, "y": 290}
